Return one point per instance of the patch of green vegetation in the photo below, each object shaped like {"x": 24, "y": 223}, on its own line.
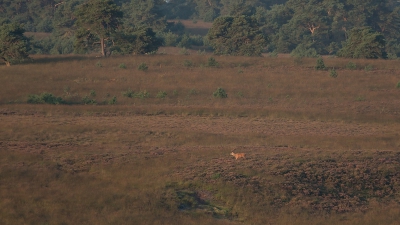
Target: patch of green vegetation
{"x": 333, "y": 73}
{"x": 161, "y": 94}
{"x": 122, "y": 66}
{"x": 351, "y": 66}
{"x": 113, "y": 101}
{"x": 211, "y": 62}
{"x": 45, "y": 98}
{"x": 143, "y": 67}
{"x": 220, "y": 93}
{"x": 320, "y": 64}
{"x": 129, "y": 93}
{"x": 88, "y": 101}
{"x": 142, "y": 94}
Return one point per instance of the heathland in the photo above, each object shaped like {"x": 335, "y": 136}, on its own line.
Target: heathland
{"x": 147, "y": 140}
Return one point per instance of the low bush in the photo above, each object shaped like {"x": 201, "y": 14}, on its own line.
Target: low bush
{"x": 304, "y": 51}
{"x": 129, "y": 93}
{"x": 161, "y": 94}
{"x": 86, "y": 100}
{"x": 122, "y": 66}
{"x": 351, "y": 66}
{"x": 320, "y": 64}
{"x": 220, "y": 93}
{"x": 143, "y": 67}
{"x": 142, "y": 94}
{"x": 333, "y": 73}
{"x": 113, "y": 101}
{"x": 211, "y": 62}
{"x": 45, "y": 98}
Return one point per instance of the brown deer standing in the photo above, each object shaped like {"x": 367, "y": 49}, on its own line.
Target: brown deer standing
{"x": 239, "y": 155}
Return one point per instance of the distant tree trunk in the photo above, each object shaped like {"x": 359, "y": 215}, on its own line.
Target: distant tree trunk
{"x": 102, "y": 46}
{"x": 7, "y": 62}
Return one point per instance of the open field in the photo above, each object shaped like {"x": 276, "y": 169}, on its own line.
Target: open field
{"x": 128, "y": 146}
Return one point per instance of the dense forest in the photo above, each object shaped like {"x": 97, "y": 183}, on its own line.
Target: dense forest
{"x": 303, "y": 27}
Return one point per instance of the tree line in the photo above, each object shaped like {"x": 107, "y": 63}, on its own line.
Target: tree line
{"x": 348, "y": 28}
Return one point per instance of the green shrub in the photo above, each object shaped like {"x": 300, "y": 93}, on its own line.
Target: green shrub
{"x": 143, "y": 67}
{"x": 220, "y": 93}
{"x": 35, "y": 99}
{"x": 98, "y": 64}
{"x": 129, "y": 93}
{"x": 185, "y": 42}
{"x": 93, "y": 93}
{"x": 351, "y": 66}
{"x": 143, "y": 94}
{"x": 122, "y": 66}
{"x": 113, "y": 101}
{"x": 368, "y": 68}
{"x": 333, "y": 73}
{"x": 161, "y": 94}
{"x": 88, "y": 101}
{"x": 170, "y": 39}
{"x": 47, "y": 98}
{"x": 320, "y": 64}
{"x": 398, "y": 85}
{"x": 211, "y": 62}
{"x": 304, "y": 51}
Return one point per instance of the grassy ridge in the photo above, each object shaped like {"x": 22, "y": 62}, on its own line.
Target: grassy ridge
{"x": 319, "y": 149}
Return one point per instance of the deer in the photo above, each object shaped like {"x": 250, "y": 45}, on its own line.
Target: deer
{"x": 239, "y": 155}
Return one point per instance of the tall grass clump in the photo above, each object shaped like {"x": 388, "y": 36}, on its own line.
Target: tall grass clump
{"x": 220, "y": 93}
{"x": 129, "y": 93}
{"x": 161, "y": 94}
{"x": 351, "y": 66}
{"x": 113, "y": 101}
{"x": 143, "y": 67}
{"x": 368, "y": 68}
{"x": 333, "y": 73}
{"x": 122, "y": 66}
{"x": 86, "y": 100}
{"x": 211, "y": 62}
{"x": 142, "y": 94}
{"x": 45, "y": 98}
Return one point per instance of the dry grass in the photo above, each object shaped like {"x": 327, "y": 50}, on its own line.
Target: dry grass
{"x": 319, "y": 150}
